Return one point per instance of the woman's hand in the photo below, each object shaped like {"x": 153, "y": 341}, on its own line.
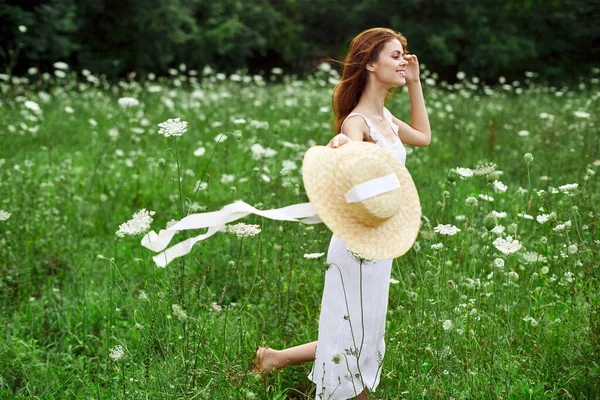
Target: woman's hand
{"x": 338, "y": 140}
{"x": 412, "y": 68}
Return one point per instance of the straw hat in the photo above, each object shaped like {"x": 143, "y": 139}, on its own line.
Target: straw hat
{"x": 365, "y": 195}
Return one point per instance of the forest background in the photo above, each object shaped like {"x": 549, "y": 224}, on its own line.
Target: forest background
{"x": 559, "y": 39}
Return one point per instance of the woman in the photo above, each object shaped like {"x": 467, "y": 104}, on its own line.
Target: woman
{"x": 376, "y": 63}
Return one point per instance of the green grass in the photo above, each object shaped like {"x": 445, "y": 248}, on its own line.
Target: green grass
{"x": 71, "y": 291}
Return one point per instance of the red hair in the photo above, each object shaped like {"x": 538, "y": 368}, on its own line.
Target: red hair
{"x": 364, "y": 48}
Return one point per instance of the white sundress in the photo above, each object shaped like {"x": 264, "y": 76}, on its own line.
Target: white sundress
{"x": 348, "y": 357}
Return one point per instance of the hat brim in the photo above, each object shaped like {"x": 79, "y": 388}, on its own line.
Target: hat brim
{"x": 390, "y": 239}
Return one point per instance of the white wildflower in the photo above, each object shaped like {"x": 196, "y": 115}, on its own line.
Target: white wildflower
{"x": 125, "y": 102}
{"x": 499, "y": 263}
{"x": 572, "y": 249}
{"x": 172, "y": 127}
{"x": 394, "y": 281}
{"x": 138, "y": 225}
{"x": 312, "y": 256}
{"x": 531, "y": 320}
{"x": 60, "y": 65}
{"x": 471, "y": 202}
{"x": 179, "y": 312}
{"x": 543, "y": 218}
{"x": 243, "y": 230}
{"x": 325, "y": 67}
{"x": 259, "y": 152}
{"x": 227, "y": 178}
{"x": 216, "y": 307}
{"x": 498, "y": 230}
{"x": 562, "y": 227}
{"x": 447, "y": 325}
{"x": 568, "y": 187}
{"x": 485, "y": 169}
{"x": 569, "y": 276}
{"x": 523, "y": 133}
{"x": 117, "y": 353}
{"x": 4, "y": 215}
{"x": 528, "y": 157}
{"x": 199, "y": 152}
{"x": 513, "y": 276}
{"x": 582, "y": 114}
{"x": 499, "y": 187}
{"x": 544, "y": 270}
{"x": 33, "y": 106}
{"x": 525, "y": 216}
{"x": 290, "y": 165}
{"x": 499, "y": 214}
{"x": 508, "y": 245}
{"x": 446, "y": 229}
{"x": 437, "y": 246}
{"x": 464, "y": 172}
{"x": 486, "y": 197}
{"x": 360, "y": 257}
{"x": 532, "y": 257}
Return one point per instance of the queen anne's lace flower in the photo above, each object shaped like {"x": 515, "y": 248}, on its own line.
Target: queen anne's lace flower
{"x": 4, "y": 215}
{"x": 172, "y": 127}
{"x": 242, "y": 230}
{"x": 313, "y": 255}
{"x": 125, "y": 102}
{"x": 543, "y": 218}
{"x": 582, "y": 114}
{"x": 138, "y": 225}
{"x": 499, "y": 187}
{"x": 447, "y": 229}
{"x": 179, "y": 312}
{"x": 485, "y": 169}
{"x": 568, "y": 187}
{"x": 447, "y": 325}
{"x": 360, "y": 257}
{"x": 532, "y": 257}
{"x": 508, "y": 245}
{"x": 464, "y": 172}
{"x": 117, "y": 353}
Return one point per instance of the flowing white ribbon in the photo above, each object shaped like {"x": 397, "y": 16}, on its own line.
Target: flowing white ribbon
{"x": 215, "y": 221}
{"x": 372, "y": 188}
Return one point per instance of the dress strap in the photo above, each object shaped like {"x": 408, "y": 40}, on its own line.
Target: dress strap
{"x": 388, "y": 116}
{"x": 373, "y": 132}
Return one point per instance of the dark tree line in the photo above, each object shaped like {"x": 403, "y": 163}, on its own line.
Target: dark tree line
{"x": 559, "y": 39}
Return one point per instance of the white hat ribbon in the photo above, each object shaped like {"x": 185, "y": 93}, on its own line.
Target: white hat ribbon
{"x": 215, "y": 221}
{"x": 372, "y": 188}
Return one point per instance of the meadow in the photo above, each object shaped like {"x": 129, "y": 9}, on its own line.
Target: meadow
{"x": 498, "y": 298}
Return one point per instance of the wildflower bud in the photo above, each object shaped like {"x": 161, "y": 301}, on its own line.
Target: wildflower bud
{"x": 528, "y": 157}
{"x": 512, "y": 228}
{"x": 471, "y": 202}
{"x": 490, "y": 221}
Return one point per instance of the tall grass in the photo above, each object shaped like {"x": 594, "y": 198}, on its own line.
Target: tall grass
{"x": 465, "y": 320}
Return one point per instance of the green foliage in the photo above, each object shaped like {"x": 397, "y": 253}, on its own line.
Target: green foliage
{"x": 556, "y": 39}
{"x": 73, "y": 170}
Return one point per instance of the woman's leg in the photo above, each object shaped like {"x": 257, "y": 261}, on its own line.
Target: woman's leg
{"x": 272, "y": 359}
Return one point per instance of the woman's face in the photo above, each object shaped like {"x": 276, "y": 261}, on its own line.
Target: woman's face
{"x": 390, "y": 66}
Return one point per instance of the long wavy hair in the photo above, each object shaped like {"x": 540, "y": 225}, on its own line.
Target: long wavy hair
{"x": 364, "y": 48}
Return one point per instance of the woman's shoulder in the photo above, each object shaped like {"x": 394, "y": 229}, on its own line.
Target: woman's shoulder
{"x": 355, "y": 125}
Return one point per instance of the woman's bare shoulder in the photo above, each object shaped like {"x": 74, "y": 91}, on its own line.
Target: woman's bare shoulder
{"x": 356, "y": 128}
